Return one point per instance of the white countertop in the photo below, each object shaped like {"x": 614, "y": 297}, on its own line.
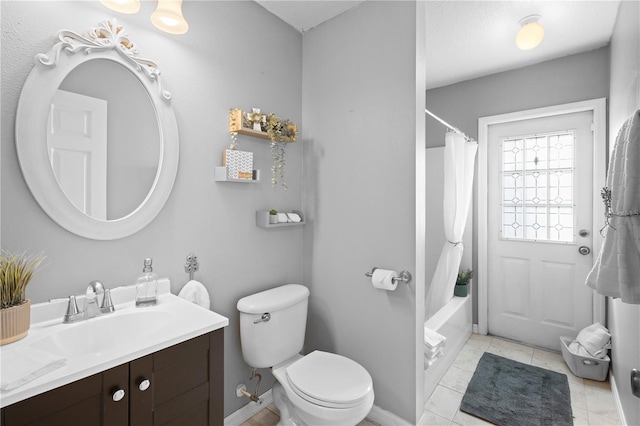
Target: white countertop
{"x": 181, "y": 321}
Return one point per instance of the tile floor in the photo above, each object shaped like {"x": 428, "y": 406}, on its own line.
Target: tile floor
{"x": 270, "y": 416}
{"x": 592, "y": 402}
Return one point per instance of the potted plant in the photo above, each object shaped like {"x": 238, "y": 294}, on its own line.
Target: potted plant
{"x": 273, "y": 216}
{"x": 16, "y": 271}
{"x": 281, "y": 131}
{"x": 461, "y": 288}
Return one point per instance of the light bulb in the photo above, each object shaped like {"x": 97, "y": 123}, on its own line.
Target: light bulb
{"x": 531, "y": 33}
{"x": 168, "y": 17}
{"x": 122, "y": 6}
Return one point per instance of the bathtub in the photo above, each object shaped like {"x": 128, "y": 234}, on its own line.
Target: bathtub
{"x": 454, "y": 322}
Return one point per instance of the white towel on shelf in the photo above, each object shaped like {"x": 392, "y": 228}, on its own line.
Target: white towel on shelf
{"x": 433, "y": 339}
{"x": 195, "y": 292}
{"x": 430, "y": 352}
{"x": 23, "y": 364}
{"x": 429, "y": 361}
{"x": 616, "y": 270}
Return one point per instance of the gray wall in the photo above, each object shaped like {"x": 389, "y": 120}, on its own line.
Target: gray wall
{"x": 359, "y": 116}
{"x": 208, "y": 70}
{"x": 568, "y": 79}
{"x": 623, "y": 319}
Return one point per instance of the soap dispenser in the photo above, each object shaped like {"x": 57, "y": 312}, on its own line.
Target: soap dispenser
{"x": 147, "y": 286}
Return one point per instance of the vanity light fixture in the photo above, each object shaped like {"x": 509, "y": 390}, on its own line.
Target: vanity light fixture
{"x": 531, "y": 33}
{"x": 122, "y": 6}
{"x": 168, "y": 17}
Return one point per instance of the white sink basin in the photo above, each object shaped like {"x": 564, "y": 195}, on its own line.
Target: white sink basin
{"x": 97, "y": 344}
{"x": 105, "y": 333}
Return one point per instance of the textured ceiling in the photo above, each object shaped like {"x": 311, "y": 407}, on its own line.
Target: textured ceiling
{"x": 470, "y": 39}
{"x": 306, "y": 14}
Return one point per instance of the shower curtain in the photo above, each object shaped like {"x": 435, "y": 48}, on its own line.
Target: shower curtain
{"x": 459, "y": 162}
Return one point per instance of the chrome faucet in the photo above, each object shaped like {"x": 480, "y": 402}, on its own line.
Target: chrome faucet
{"x": 91, "y": 308}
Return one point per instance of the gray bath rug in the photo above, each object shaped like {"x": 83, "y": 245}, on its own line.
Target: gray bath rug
{"x": 508, "y": 393}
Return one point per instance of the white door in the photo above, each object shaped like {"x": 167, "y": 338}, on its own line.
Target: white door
{"x": 77, "y": 142}
{"x": 539, "y": 232}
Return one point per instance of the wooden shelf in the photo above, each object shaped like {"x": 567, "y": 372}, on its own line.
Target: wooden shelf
{"x": 221, "y": 176}
{"x": 235, "y": 125}
{"x": 255, "y": 133}
{"x": 262, "y": 220}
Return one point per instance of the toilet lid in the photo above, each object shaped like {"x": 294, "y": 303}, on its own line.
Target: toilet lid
{"x": 329, "y": 380}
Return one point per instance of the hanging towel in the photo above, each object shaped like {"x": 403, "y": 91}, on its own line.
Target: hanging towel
{"x": 616, "y": 272}
{"x": 22, "y": 364}
{"x": 433, "y": 339}
{"x": 195, "y": 292}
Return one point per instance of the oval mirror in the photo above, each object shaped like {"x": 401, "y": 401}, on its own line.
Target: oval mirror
{"x": 103, "y": 139}
{"x": 96, "y": 136}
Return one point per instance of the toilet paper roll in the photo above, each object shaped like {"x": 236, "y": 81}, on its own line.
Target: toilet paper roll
{"x": 382, "y": 279}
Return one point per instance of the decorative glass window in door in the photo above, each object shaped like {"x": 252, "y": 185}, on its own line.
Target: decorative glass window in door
{"x": 537, "y": 187}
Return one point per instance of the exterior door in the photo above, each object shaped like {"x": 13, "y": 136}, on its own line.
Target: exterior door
{"x": 77, "y": 142}
{"x": 539, "y": 228}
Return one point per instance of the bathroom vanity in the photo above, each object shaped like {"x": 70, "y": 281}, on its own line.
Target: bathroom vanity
{"x": 172, "y": 373}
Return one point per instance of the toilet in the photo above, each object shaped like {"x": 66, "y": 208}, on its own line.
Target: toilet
{"x": 320, "y": 388}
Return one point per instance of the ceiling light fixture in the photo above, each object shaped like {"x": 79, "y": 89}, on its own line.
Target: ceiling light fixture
{"x": 122, "y": 6}
{"x": 168, "y": 17}
{"x": 531, "y": 33}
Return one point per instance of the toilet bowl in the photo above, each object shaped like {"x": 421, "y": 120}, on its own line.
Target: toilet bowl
{"x": 323, "y": 389}
{"x": 320, "y": 388}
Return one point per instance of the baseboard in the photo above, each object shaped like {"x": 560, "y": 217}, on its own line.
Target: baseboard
{"x": 616, "y": 398}
{"x": 251, "y": 409}
{"x": 385, "y": 418}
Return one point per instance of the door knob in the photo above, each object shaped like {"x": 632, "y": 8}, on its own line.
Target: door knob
{"x": 584, "y": 250}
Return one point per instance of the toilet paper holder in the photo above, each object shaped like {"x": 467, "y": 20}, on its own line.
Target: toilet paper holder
{"x": 403, "y": 276}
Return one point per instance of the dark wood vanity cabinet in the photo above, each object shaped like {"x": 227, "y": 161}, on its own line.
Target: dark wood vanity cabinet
{"x": 179, "y": 385}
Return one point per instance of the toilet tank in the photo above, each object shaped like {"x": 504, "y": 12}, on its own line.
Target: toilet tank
{"x": 268, "y": 343}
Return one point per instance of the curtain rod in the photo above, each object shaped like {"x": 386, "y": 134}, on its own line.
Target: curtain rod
{"x": 453, "y": 128}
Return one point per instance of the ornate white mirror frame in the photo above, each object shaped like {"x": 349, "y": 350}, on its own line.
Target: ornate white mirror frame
{"x": 107, "y": 41}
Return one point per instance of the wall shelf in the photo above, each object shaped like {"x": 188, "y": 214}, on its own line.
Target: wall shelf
{"x": 235, "y": 125}
{"x": 262, "y": 220}
{"x": 221, "y": 176}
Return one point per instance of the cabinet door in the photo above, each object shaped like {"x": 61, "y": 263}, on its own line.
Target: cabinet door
{"x": 188, "y": 380}
{"x": 115, "y": 396}
{"x": 141, "y": 385}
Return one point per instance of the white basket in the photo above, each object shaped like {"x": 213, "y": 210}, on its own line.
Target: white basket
{"x": 585, "y": 367}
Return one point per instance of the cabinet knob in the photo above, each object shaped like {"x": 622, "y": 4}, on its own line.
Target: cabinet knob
{"x": 144, "y": 385}
{"x": 118, "y": 395}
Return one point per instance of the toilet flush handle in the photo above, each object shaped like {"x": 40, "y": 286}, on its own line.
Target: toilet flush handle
{"x": 264, "y": 318}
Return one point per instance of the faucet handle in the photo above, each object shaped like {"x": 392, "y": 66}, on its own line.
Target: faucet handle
{"x": 107, "y": 304}
{"x": 73, "y": 313}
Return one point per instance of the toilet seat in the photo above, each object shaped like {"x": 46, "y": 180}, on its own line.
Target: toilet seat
{"x": 329, "y": 380}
